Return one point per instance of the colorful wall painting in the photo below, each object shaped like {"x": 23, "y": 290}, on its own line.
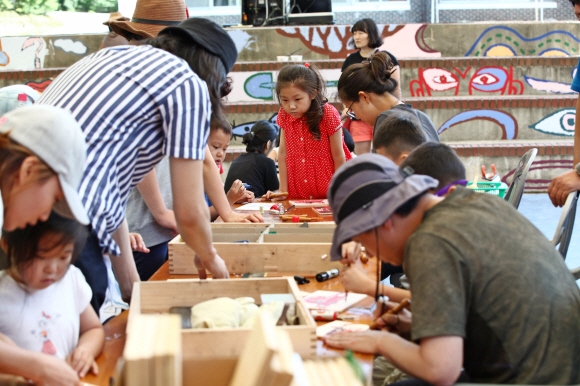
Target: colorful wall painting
{"x": 506, "y": 121}
{"x": 554, "y": 167}
{"x": 486, "y": 79}
{"x": 551, "y": 86}
{"x": 500, "y": 41}
{"x": 559, "y": 123}
{"x": 401, "y": 40}
{"x": 261, "y": 85}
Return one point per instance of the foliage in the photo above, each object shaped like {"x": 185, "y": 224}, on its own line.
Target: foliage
{"x": 103, "y": 6}
{"x": 27, "y": 7}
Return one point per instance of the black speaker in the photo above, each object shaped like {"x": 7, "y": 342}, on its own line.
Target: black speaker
{"x": 310, "y": 12}
{"x": 263, "y": 12}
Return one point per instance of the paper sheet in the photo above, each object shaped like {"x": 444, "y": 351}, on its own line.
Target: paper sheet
{"x": 255, "y": 206}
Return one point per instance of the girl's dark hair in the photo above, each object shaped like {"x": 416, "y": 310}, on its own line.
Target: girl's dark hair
{"x": 261, "y": 133}
{"x": 348, "y": 140}
{"x": 206, "y": 65}
{"x": 369, "y": 27}
{"x": 22, "y": 244}
{"x": 369, "y": 76}
{"x": 309, "y": 80}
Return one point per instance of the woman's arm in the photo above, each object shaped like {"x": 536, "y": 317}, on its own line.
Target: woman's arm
{"x": 283, "y": 171}
{"x": 336, "y": 149}
{"x": 192, "y": 214}
{"x": 91, "y": 342}
{"x": 124, "y": 265}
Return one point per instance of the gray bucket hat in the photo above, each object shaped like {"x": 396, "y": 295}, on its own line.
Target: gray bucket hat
{"x": 365, "y": 192}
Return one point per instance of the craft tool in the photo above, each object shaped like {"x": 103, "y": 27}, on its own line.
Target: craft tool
{"x": 247, "y": 186}
{"x": 323, "y": 276}
{"x": 276, "y": 195}
{"x": 393, "y": 311}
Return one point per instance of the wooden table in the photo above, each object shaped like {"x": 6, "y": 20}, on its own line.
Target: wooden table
{"x": 115, "y": 328}
{"x": 268, "y": 217}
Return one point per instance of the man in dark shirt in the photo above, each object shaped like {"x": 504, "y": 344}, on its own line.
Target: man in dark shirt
{"x": 491, "y": 295}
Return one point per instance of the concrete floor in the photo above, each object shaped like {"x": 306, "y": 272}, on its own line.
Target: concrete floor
{"x": 538, "y": 208}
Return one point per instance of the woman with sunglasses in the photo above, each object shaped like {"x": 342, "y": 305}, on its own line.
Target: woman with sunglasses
{"x": 368, "y": 89}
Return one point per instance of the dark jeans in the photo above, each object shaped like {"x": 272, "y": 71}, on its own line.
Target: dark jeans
{"x": 149, "y": 263}
{"x": 92, "y": 265}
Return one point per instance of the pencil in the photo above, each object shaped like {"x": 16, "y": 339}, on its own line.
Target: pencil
{"x": 393, "y": 311}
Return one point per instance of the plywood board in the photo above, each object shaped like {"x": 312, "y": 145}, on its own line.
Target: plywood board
{"x": 159, "y": 297}
{"x": 299, "y": 238}
{"x": 304, "y": 259}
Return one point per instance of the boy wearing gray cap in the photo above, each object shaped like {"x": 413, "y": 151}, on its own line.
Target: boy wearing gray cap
{"x": 504, "y": 310}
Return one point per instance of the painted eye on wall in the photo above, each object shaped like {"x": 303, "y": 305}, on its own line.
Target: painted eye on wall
{"x": 561, "y": 123}
{"x": 489, "y": 79}
{"x": 439, "y": 79}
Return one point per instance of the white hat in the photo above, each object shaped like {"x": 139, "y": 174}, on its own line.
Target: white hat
{"x": 54, "y": 136}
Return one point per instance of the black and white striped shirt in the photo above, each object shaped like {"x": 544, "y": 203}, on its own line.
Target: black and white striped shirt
{"x": 135, "y": 104}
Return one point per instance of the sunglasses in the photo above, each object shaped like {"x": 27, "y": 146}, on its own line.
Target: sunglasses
{"x": 349, "y": 112}
{"x": 443, "y": 191}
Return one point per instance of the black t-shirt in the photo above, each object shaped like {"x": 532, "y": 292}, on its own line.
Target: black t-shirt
{"x": 254, "y": 169}
{"x": 357, "y": 58}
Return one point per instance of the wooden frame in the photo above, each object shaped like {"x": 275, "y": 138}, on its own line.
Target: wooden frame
{"x": 290, "y": 249}
{"x": 159, "y": 297}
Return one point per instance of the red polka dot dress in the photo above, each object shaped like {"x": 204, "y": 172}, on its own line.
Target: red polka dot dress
{"x": 309, "y": 161}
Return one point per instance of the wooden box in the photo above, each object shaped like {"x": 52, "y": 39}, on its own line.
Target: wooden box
{"x": 285, "y": 249}
{"x": 159, "y": 297}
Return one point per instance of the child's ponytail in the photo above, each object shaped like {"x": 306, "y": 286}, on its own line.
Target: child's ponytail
{"x": 307, "y": 78}
{"x": 371, "y": 76}
{"x": 261, "y": 133}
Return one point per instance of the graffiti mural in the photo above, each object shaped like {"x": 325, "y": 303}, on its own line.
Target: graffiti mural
{"x": 506, "y": 121}
{"x": 38, "y": 53}
{"x": 560, "y": 123}
{"x": 506, "y": 41}
{"x": 551, "y": 86}
{"x": 261, "y": 85}
{"x": 240, "y": 130}
{"x": 485, "y": 79}
{"x": 555, "y": 167}
{"x": 39, "y": 86}
{"x": 401, "y": 40}
{"x": 4, "y": 58}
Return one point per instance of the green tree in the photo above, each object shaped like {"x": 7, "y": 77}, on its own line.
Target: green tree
{"x": 27, "y": 7}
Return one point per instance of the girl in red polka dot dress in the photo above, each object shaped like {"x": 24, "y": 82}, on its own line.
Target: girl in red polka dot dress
{"x": 311, "y": 142}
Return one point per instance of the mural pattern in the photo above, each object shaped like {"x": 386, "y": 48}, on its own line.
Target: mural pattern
{"x": 485, "y": 79}
{"x": 507, "y": 41}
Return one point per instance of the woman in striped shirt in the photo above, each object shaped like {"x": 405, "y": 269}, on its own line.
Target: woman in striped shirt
{"x": 135, "y": 105}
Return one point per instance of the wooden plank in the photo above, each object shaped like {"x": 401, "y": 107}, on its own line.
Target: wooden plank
{"x": 310, "y": 237}
{"x": 303, "y": 259}
{"x": 235, "y": 237}
{"x": 161, "y": 296}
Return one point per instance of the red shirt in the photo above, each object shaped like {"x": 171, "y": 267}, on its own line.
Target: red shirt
{"x": 309, "y": 161}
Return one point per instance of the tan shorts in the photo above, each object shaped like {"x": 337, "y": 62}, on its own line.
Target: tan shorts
{"x": 360, "y": 131}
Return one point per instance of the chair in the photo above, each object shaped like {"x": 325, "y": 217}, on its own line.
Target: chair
{"x": 516, "y": 189}
{"x": 563, "y": 234}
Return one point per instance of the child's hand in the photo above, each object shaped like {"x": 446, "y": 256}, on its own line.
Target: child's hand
{"x": 237, "y": 192}
{"x": 137, "y": 243}
{"x": 82, "y": 361}
{"x": 273, "y": 196}
{"x": 350, "y": 252}
{"x": 248, "y": 197}
{"x": 354, "y": 279}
